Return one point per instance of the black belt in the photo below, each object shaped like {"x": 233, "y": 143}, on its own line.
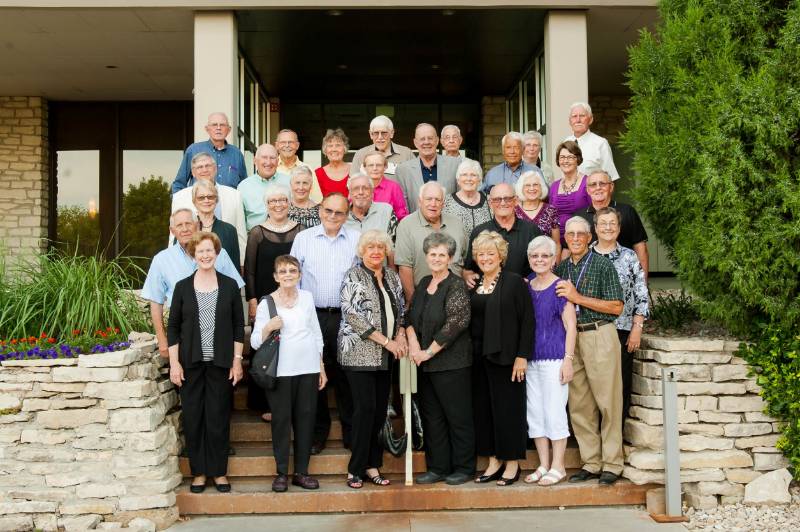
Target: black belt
{"x": 329, "y": 310}
{"x": 583, "y": 327}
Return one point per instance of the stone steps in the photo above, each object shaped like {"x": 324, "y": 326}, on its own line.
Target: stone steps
{"x": 253, "y": 495}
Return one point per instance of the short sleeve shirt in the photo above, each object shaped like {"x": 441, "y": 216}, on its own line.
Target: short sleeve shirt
{"x": 594, "y": 276}
{"x": 411, "y": 232}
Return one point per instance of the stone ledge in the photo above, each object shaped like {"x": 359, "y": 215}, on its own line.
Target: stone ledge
{"x": 48, "y": 362}
{"x": 126, "y": 357}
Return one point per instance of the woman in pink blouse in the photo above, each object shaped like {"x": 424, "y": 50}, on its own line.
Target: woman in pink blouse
{"x": 385, "y": 190}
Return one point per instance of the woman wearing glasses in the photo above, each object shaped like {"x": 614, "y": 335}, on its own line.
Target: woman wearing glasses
{"x": 568, "y": 194}
{"x": 267, "y": 241}
{"x": 205, "y": 197}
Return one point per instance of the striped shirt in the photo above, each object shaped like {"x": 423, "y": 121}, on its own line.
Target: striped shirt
{"x": 207, "y": 311}
{"x": 324, "y": 262}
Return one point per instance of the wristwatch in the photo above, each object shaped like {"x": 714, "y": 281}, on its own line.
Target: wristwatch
{"x": 429, "y": 352}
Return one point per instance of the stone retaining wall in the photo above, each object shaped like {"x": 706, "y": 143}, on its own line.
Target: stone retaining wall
{"x": 88, "y": 440}
{"x": 725, "y": 438}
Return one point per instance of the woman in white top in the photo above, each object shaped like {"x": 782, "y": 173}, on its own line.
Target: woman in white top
{"x": 301, "y": 373}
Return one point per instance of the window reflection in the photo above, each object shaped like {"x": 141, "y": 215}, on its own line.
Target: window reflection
{"x": 78, "y": 201}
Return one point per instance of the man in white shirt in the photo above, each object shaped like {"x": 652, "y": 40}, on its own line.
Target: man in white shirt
{"x": 595, "y": 149}
{"x": 381, "y": 131}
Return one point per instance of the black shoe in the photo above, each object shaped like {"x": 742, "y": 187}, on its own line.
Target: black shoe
{"x": 429, "y": 478}
{"x": 503, "y": 481}
{"x": 304, "y": 481}
{"x": 223, "y": 488}
{"x": 231, "y": 451}
{"x": 494, "y": 476}
{"x": 607, "y": 478}
{"x": 280, "y": 484}
{"x": 456, "y": 479}
{"x": 197, "y": 488}
{"x": 583, "y": 476}
{"x": 317, "y": 447}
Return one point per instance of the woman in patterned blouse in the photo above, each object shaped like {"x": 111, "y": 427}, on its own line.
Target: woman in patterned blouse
{"x": 301, "y": 209}
{"x": 532, "y": 191}
{"x": 634, "y": 287}
{"x": 468, "y": 203}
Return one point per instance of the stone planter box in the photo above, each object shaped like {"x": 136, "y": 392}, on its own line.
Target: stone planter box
{"x": 88, "y": 440}
{"x": 725, "y": 438}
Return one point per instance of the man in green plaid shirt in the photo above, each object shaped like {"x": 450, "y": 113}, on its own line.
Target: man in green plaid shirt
{"x": 591, "y": 283}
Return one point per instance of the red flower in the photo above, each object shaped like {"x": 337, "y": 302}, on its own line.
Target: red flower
{"x": 109, "y": 329}
{"x": 116, "y": 330}
{"x": 13, "y": 341}
{"x": 43, "y": 335}
{"x": 51, "y": 340}
{"x": 32, "y": 339}
{"x": 23, "y": 340}
{"x": 76, "y": 332}
{"x": 103, "y": 334}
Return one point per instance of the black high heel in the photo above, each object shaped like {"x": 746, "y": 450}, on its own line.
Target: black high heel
{"x": 494, "y": 476}
{"x": 503, "y": 481}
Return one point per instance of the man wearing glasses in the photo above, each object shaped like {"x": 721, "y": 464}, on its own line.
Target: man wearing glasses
{"x": 591, "y": 283}
{"x": 326, "y": 252}
{"x": 287, "y": 144}
{"x": 381, "y": 131}
{"x": 228, "y": 159}
{"x": 517, "y": 232}
{"x": 252, "y": 189}
{"x": 632, "y": 233}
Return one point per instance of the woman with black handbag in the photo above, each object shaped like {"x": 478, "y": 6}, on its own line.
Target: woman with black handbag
{"x": 300, "y": 373}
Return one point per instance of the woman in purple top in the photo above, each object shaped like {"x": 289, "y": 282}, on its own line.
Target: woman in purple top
{"x": 568, "y": 194}
{"x": 550, "y": 369}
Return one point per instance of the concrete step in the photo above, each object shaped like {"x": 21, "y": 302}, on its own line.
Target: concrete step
{"x": 254, "y": 460}
{"x": 254, "y": 496}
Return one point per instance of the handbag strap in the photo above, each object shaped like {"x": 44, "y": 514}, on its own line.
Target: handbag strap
{"x": 270, "y": 305}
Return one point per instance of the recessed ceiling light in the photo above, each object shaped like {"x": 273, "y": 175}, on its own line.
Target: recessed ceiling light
{"x": 435, "y": 67}
{"x": 334, "y": 13}
{"x": 111, "y": 67}
{"x": 342, "y": 66}
{"x": 448, "y": 12}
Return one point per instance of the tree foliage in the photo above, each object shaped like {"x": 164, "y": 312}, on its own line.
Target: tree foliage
{"x": 714, "y": 129}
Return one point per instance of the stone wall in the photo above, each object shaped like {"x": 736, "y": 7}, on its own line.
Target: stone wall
{"x": 493, "y": 127}
{"x": 609, "y": 116}
{"x": 88, "y": 440}
{"x": 24, "y": 172}
{"x": 725, "y": 439}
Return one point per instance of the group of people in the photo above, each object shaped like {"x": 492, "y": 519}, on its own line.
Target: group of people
{"x": 518, "y": 297}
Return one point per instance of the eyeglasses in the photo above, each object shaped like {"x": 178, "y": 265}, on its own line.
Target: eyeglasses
{"x": 567, "y": 158}
{"x": 277, "y": 201}
{"x": 575, "y": 234}
{"x": 218, "y": 125}
{"x": 334, "y": 214}
{"x": 379, "y": 134}
{"x": 503, "y": 199}
{"x": 206, "y": 198}
{"x": 287, "y": 271}
{"x": 537, "y": 256}
{"x": 598, "y": 184}
{"x": 610, "y": 225}
{"x": 286, "y": 142}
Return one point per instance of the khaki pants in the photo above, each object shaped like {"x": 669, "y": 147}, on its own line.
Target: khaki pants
{"x": 595, "y": 400}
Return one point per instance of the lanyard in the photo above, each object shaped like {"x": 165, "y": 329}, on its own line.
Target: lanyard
{"x": 580, "y": 276}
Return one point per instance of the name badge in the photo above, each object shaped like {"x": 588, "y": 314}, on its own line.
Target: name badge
{"x": 391, "y": 168}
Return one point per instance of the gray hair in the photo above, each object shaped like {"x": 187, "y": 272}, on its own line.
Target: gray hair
{"x": 381, "y": 120}
{"x": 595, "y": 170}
{"x": 583, "y": 105}
{"x": 178, "y": 211}
{"x": 277, "y": 189}
{"x": 434, "y": 240}
{"x": 520, "y": 184}
{"x": 469, "y": 164}
{"x": 205, "y": 185}
{"x": 301, "y": 169}
{"x": 335, "y": 134}
{"x": 542, "y": 241}
{"x": 436, "y": 184}
{"x": 512, "y": 135}
{"x": 451, "y": 126}
{"x": 202, "y": 155}
{"x": 533, "y": 135}
{"x": 578, "y": 220}
{"x": 358, "y": 176}
{"x": 373, "y": 236}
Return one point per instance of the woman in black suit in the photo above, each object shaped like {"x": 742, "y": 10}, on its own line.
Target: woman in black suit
{"x": 439, "y": 343}
{"x": 206, "y": 333}
{"x": 502, "y": 338}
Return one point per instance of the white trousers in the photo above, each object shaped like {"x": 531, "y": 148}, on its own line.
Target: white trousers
{"x": 547, "y": 400}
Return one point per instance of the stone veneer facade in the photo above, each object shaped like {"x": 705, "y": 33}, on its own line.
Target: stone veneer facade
{"x": 24, "y": 171}
{"x": 725, "y": 439}
{"x": 88, "y": 440}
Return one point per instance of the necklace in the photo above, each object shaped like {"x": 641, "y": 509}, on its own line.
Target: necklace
{"x": 279, "y": 228}
{"x": 487, "y": 289}
{"x": 569, "y": 189}
{"x": 287, "y": 301}
{"x": 204, "y": 227}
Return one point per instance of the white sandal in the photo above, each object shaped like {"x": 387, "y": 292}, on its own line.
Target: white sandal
{"x": 536, "y": 476}
{"x": 552, "y": 477}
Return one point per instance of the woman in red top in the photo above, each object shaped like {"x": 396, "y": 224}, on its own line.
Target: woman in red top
{"x": 333, "y": 176}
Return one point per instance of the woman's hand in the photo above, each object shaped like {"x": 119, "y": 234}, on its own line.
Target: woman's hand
{"x": 634, "y": 338}
{"x": 274, "y": 324}
{"x": 176, "y": 373}
{"x": 518, "y": 371}
{"x": 566, "y": 372}
{"x": 323, "y": 378}
{"x": 236, "y": 373}
{"x": 395, "y": 348}
{"x": 401, "y": 341}
{"x": 419, "y": 356}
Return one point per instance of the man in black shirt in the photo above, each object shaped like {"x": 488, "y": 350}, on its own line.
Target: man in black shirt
{"x": 518, "y": 233}
{"x": 632, "y": 232}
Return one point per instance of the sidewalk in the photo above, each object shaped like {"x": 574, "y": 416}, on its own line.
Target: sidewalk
{"x": 594, "y": 519}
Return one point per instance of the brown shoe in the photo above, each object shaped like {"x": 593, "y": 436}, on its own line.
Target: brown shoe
{"x": 304, "y": 481}
{"x": 280, "y": 484}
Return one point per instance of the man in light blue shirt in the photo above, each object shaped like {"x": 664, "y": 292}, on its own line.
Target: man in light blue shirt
{"x": 252, "y": 189}
{"x": 231, "y": 168}
{"x": 509, "y": 170}
{"x": 173, "y": 264}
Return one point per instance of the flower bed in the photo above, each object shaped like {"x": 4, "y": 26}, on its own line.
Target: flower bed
{"x": 46, "y": 347}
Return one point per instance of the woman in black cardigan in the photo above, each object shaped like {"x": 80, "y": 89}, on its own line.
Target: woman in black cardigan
{"x": 502, "y": 337}
{"x": 439, "y": 343}
{"x": 206, "y": 333}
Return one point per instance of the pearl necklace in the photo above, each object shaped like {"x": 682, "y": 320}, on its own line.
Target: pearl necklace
{"x": 279, "y": 228}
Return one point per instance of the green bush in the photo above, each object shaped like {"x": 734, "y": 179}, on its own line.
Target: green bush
{"x": 673, "y": 311}
{"x": 714, "y": 130}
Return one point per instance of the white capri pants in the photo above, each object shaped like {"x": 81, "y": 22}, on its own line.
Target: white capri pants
{"x": 547, "y": 400}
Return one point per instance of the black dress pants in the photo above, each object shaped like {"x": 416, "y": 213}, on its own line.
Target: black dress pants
{"x": 370, "y": 398}
{"x": 329, "y": 324}
{"x": 445, "y": 400}
{"x": 206, "y": 401}
{"x": 294, "y": 404}
{"x": 500, "y": 411}
{"x": 626, "y": 365}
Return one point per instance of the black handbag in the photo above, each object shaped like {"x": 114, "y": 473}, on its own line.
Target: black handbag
{"x": 264, "y": 366}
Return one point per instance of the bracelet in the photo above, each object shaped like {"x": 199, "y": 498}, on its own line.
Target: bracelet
{"x": 571, "y": 357}
{"x": 640, "y": 325}
{"x": 386, "y": 342}
{"x": 240, "y": 357}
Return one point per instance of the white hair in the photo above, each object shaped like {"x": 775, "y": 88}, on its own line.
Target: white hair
{"x": 277, "y": 189}
{"x": 512, "y": 135}
{"x": 578, "y": 220}
{"x": 467, "y": 165}
{"x": 301, "y": 169}
{"x": 381, "y": 120}
{"x": 520, "y": 184}
{"x": 178, "y": 211}
{"x": 542, "y": 241}
{"x": 451, "y": 126}
{"x": 533, "y": 135}
{"x": 360, "y": 175}
{"x": 436, "y": 184}
{"x": 583, "y": 105}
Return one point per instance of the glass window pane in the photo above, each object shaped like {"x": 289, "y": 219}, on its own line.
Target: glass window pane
{"x": 146, "y": 179}
{"x": 513, "y": 112}
{"x": 530, "y": 101}
{"x": 77, "y": 203}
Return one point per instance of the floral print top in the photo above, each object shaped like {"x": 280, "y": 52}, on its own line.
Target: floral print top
{"x": 634, "y": 287}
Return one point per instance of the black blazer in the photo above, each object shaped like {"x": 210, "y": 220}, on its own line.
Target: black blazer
{"x": 183, "y": 326}
{"x": 444, "y": 317}
{"x": 509, "y": 322}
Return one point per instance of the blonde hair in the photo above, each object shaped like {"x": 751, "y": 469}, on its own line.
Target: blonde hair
{"x": 488, "y": 239}
{"x": 373, "y": 236}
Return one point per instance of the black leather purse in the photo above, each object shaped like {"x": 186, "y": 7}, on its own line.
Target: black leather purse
{"x": 264, "y": 366}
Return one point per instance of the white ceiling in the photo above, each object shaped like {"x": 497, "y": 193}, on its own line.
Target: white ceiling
{"x": 62, "y": 54}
